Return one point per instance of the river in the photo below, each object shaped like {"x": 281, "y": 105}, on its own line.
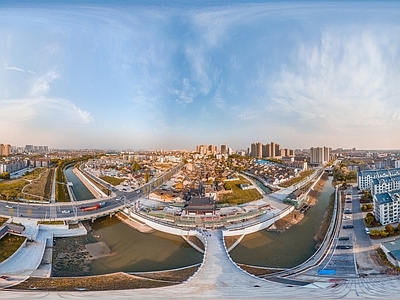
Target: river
{"x": 81, "y": 192}
{"x": 131, "y": 250}
{"x": 287, "y": 249}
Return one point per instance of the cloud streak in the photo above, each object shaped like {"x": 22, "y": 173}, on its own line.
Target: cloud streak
{"x": 346, "y": 81}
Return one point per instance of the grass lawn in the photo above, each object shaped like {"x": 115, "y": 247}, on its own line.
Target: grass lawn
{"x": 112, "y": 180}
{"x": 9, "y": 244}
{"x": 40, "y": 187}
{"x": 11, "y": 189}
{"x": 51, "y": 222}
{"x": 239, "y": 196}
{"x": 297, "y": 179}
{"x": 3, "y": 220}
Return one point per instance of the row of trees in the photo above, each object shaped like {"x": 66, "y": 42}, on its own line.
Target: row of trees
{"x": 5, "y": 175}
{"x": 342, "y": 174}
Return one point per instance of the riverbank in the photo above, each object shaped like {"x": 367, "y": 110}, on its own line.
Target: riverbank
{"x": 116, "y": 281}
{"x": 96, "y": 192}
{"x": 296, "y": 216}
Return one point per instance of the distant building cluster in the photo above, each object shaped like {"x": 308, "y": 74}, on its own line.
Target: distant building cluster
{"x": 30, "y": 149}
{"x": 213, "y": 150}
{"x": 272, "y": 150}
{"x": 319, "y": 156}
{"x": 5, "y": 150}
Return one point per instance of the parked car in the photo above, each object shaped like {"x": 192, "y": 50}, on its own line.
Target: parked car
{"x": 344, "y": 247}
{"x": 347, "y": 226}
{"x": 9, "y": 206}
{"x": 367, "y": 231}
{"x": 343, "y": 238}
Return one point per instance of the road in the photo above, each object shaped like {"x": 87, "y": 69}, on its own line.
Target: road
{"x": 71, "y": 209}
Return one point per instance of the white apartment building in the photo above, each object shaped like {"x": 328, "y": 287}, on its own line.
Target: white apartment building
{"x": 387, "y": 207}
{"x": 364, "y": 178}
{"x": 385, "y": 184}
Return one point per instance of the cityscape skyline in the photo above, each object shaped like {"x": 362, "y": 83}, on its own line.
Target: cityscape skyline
{"x": 149, "y": 75}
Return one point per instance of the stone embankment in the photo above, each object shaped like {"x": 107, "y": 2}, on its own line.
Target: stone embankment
{"x": 139, "y": 226}
{"x": 89, "y": 185}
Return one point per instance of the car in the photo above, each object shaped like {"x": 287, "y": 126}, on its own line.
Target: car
{"x": 343, "y": 238}
{"x": 347, "y": 226}
{"x": 344, "y": 247}
{"x": 367, "y": 231}
{"x": 347, "y": 217}
{"x": 118, "y": 198}
{"x": 5, "y": 277}
{"x": 348, "y": 211}
{"x": 9, "y": 206}
{"x": 65, "y": 211}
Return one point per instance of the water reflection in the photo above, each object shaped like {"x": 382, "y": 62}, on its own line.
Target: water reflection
{"x": 287, "y": 249}
{"x": 81, "y": 192}
{"x": 133, "y": 251}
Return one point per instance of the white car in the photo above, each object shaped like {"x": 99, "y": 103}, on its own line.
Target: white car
{"x": 9, "y": 206}
{"x": 65, "y": 211}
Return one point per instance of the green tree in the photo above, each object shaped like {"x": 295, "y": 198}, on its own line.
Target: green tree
{"x": 389, "y": 229}
{"x": 369, "y": 220}
{"x": 384, "y": 233}
{"x": 147, "y": 177}
{"x": 363, "y": 207}
{"x": 5, "y": 175}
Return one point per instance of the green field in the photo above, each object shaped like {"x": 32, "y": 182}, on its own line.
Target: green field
{"x": 112, "y": 180}
{"x": 297, "y": 179}
{"x": 239, "y": 196}
{"x": 9, "y": 244}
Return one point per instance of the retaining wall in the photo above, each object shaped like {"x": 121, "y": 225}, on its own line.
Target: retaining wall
{"x": 258, "y": 226}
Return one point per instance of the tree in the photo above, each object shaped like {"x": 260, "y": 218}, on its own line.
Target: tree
{"x": 147, "y": 177}
{"x": 363, "y": 207}
{"x": 135, "y": 166}
{"x": 369, "y": 220}
{"x": 389, "y": 229}
{"x": 5, "y": 175}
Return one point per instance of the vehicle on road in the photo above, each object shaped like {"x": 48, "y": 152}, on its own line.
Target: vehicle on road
{"x": 9, "y": 206}
{"x": 367, "y": 231}
{"x": 344, "y": 247}
{"x": 90, "y": 208}
{"x": 65, "y": 211}
{"x": 343, "y": 238}
{"x": 347, "y": 226}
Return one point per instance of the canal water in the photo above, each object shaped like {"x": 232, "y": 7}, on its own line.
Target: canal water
{"x": 81, "y": 192}
{"x": 287, "y": 249}
{"x": 131, "y": 250}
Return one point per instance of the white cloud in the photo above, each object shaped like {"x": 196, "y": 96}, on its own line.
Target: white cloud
{"x": 186, "y": 93}
{"x": 347, "y": 81}
{"x": 41, "y": 85}
{"x": 19, "y": 69}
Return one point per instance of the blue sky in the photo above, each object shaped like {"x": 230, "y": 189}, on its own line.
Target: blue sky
{"x": 147, "y": 75}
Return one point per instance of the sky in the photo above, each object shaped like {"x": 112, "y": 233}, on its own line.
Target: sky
{"x": 173, "y": 75}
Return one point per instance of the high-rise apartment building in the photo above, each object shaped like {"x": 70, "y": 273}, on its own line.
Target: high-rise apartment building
{"x": 223, "y": 149}
{"x": 319, "y": 155}
{"x": 201, "y": 149}
{"x": 5, "y": 150}
{"x": 272, "y": 150}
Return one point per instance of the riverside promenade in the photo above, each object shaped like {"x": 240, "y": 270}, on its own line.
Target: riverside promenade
{"x": 220, "y": 278}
